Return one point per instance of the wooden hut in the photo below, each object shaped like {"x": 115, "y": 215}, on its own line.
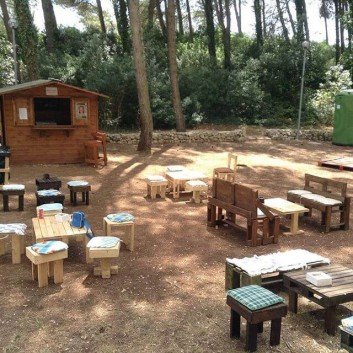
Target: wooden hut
{"x": 47, "y": 121}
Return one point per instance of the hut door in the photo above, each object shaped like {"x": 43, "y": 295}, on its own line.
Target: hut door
{"x": 23, "y": 112}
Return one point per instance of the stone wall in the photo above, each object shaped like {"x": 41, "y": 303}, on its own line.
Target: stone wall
{"x": 196, "y": 136}
{"x": 307, "y": 134}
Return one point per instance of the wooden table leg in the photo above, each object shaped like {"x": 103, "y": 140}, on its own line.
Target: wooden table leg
{"x": 6, "y": 203}
{"x": 293, "y": 301}
{"x": 105, "y": 267}
{"x": 251, "y": 337}
{"x": 87, "y": 198}
{"x": 16, "y": 248}
{"x": 275, "y": 335}
{"x": 42, "y": 274}
{"x": 20, "y": 202}
{"x": 294, "y": 226}
{"x": 330, "y": 320}
{"x": 58, "y": 271}
{"x": 71, "y": 197}
{"x": 234, "y": 324}
{"x": 3, "y": 244}
{"x": 85, "y": 241}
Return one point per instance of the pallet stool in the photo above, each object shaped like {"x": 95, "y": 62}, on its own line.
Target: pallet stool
{"x": 196, "y": 186}
{"x": 47, "y": 261}
{"x": 104, "y": 249}
{"x": 81, "y": 186}
{"x": 13, "y": 190}
{"x": 256, "y": 304}
{"x": 346, "y": 340}
{"x": 47, "y": 182}
{"x": 50, "y": 209}
{"x": 156, "y": 185}
{"x": 49, "y": 196}
{"x": 121, "y": 220}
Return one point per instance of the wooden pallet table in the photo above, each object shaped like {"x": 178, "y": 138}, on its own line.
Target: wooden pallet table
{"x": 283, "y": 207}
{"x": 329, "y": 297}
{"x": 46, "y": 182}
{"x": 49, "y": 229}
{"x": 177, "y": 180}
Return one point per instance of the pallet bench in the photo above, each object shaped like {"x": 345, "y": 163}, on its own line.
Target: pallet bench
{"x": 13, "y": 190}
{"x": 239, "y": 200}
{"x": 327, "y": 196}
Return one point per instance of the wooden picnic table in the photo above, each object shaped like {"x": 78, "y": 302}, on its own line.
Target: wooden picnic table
{"x": 49, "y": 229}
{"x": 177, "y": 180}
{"x": 284, "y": 207}
{"x": 329, "y": 297}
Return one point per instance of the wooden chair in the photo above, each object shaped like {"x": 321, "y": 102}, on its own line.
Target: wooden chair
{"x": 96, "y": 150}
{"x": 227, "y": 173}
{"x": 240, "y": 200}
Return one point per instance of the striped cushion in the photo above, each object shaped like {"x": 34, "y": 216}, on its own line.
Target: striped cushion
{"x": 255, "y": 297}
{"x": 121, "y": 217}
{"x": 103, "y": 242}
{"x": 49, "y": 247}
{"x": 77, "y": 183}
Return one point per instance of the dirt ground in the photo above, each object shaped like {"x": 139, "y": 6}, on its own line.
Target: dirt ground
{"x": 169, "y": 293}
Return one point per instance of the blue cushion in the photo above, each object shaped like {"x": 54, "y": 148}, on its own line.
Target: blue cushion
{"x": 103, "y": 242}
{"x": 121, "y": 217}
{"x": 49, "y": 247}
{"x": 51, "y": 207}
{"x": 49, "y": 192}
{"x": 255, "y": 297}
{"x": 77, "y": 183}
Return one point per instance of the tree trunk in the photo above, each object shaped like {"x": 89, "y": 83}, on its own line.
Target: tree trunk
{"x": 161, "y": 19}
{"x": 6, "y": 19}
{"x": 300, "y": 20}
{"x": 326, "y": 30}
{"x": 237, "y": 10}
{"x": 173, "y": 68}
{"x": 145, "y": 142}
{"x": 227, "y": 44}
{"x": 341, "y": 10}
{"x": 27, "y": 39}
{"x": 337, "y": 31}
{"x": 264, "y": 24}
{"x": 101, "y": 17}
{"x": 258, "y": 25}
{"x": 281, "y": 18}
{"x": 191, "y": 30}
{"x": 120, "y": 10}
{"x": 51, "y": 28}
{"x": 180, "y": 17}
{"x": 151, "y": 8}
{"x": 211, "y": 40}
{"x": 290, "y": 17}
{"x": 306, "y": 24}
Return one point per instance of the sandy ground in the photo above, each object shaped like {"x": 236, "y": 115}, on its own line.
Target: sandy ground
{"x": 169, "y": 294}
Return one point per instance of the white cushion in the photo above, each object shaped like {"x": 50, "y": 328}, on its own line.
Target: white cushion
{"x": 103, "y": 242}
{"x": 196, "y": 184}
{"x": 51, "y": 207}
{"x": 156, "y": 178}
{"x": 322, "y": 199}
{"x": 260, "y": 213}
{"x": 49, "y": 192}
{"x": 13, "y": 187}
{"x": 77, "y": 183}
{"x": 299, "y": 192}
{"x": 175, "y": 168}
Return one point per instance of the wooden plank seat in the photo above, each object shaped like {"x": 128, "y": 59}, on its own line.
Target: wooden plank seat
{"x": 48, "y": 264}
{"x": 196, "y": 186}
{"x": 79, "y": 186}
{"x": 240, "y": 200}
{"x": 104, "y": 249}
{"x": 13, "y": 190}
{"x": 327, "y": 196}
{"x": 96, "y": 150}
{"x": 265, "y": 306}
{"x": 156, "y": 185}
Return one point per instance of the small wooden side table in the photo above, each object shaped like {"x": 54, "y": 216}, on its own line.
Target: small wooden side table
{"x": 83, "y": 189}
{"x": 15, "y": 192}
{"x": 129, "y": 231}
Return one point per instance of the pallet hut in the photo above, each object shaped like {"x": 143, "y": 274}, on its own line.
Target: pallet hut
{"x": 47, "y": 121}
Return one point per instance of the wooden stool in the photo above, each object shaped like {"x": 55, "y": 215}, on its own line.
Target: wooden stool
{"x": 228, "y": 172}
{"x": 13, "y": 190}
{"x": 92, "y": 148}
{"x": 47, "y": 182}
{"x": 196, "y": 186}
{"x": 42, "y": 198}
{"x": 79, "y": 186}
{"x": 346, "y": 340}
{"x": 104, "y": 249}
{"x": 255, "y": 319}
{"x": 129, "y": 231}
{"x": 48, "y": 265}
{"x": 156, "y": 185}
{"x": 17, "y": 246}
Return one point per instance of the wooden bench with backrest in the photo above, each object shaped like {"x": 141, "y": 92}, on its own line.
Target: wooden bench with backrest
{"x": 327, "y": 196}
{"x": 240, "y": 200}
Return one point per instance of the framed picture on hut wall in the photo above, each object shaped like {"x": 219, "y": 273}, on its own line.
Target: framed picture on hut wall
{"x": 23, "y": 112}
{"x": 80, "y": 111}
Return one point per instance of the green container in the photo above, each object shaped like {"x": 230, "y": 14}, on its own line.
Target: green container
{"x": 343, "y": 123}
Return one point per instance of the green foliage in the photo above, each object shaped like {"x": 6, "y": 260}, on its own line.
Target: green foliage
{"x": 336, "y": 80}
{"x": 6, "y": 62}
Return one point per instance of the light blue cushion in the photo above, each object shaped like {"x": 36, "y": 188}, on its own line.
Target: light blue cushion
{"x": 103, "y": 242}
{"x": 13, "y": 187}
{"x": 51, "y": 207}
{"x": 255, "y": 297}
{"x": 78, "y": 183}
{"x": 121, "y": 217}
{"x": 49, "y": 247}
{"x": 49, "y": 192}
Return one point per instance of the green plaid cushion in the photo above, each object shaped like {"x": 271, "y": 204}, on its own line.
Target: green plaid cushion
{"x": 255, "y": 297}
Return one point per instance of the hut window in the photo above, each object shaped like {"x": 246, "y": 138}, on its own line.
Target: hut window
{"x": 52, "y": 111}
